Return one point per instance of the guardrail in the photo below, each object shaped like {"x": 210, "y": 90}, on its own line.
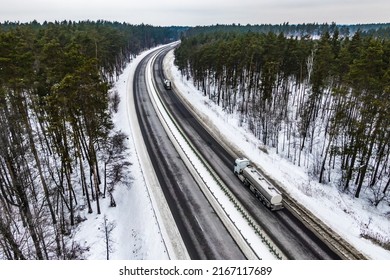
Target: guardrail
{"x": 340, "y": 246}
{"x": 184, "y": 148}
{"x": 171, "y": 238}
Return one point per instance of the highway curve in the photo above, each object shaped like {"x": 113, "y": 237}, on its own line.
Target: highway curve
{"x": 290, "y": 234}
{"x": 203, "y": 234}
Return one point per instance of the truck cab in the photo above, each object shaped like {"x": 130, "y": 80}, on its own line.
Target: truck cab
{"x": 240, "y": 164}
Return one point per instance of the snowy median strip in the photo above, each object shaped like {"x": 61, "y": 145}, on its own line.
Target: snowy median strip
{"x": 170, "y": 234}
{"x": 252, "y": 240}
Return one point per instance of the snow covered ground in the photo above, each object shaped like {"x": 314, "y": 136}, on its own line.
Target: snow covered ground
{"x": 347, "y": 216}
{"x": 137, "y": 233}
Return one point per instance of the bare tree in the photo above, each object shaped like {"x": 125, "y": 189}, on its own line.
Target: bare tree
{"x": 106, "y": 228}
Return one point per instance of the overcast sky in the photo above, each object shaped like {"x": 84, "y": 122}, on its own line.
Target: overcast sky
{"x": 198, "y": 12}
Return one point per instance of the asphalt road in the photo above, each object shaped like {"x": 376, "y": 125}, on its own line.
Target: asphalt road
{"x": 290, "y": 234}
{"x": 203, "y": 233}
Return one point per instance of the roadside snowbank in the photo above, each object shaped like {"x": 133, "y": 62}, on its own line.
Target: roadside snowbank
{"x": 137, "y": 235}
{"x": 347, "y": 216}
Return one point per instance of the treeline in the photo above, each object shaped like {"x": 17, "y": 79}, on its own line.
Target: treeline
{"x": 59, "y": 152}
{"x": 378, "y": 30}
{"x": 323, "y": 104}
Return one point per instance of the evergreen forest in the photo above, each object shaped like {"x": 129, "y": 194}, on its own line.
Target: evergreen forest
{"x": 59, "y": 151}
{"x": 317, "y": 94}
{"x": 322, "y": 101}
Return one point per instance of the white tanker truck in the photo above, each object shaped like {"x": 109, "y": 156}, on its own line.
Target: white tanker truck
{"x": 258, "y": 184}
